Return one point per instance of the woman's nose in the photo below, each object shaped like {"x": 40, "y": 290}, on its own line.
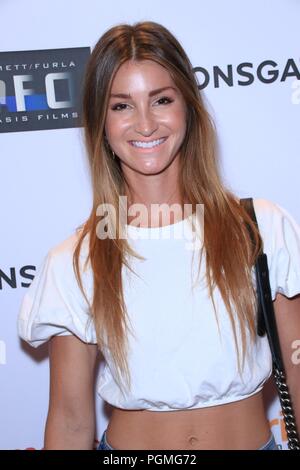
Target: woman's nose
{"x": 146, "y": 123}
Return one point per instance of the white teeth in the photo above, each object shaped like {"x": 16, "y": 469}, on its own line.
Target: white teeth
{"x": 137, "y": 143}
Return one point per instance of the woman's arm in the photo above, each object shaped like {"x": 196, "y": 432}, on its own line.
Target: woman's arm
{"x": 287, "y": 312}
{"x": 71, "y": 415}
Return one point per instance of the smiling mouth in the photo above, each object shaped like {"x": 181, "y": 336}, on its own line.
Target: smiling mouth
{"x": 147, "y": 145}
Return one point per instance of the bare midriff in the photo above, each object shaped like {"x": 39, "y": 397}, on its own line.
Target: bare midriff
{"x": 237, "y": 425}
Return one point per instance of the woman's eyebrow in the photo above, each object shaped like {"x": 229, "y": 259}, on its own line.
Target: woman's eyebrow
{"x": 151, "y": 93}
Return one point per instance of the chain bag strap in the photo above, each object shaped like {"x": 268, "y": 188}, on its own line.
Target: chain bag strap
{"x": 266, "y": 323}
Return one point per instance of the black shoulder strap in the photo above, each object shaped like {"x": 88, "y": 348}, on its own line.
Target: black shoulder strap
{"x": 266, "y": 321}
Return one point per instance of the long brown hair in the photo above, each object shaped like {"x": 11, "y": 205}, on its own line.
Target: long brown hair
{"x": 229, "y": 251}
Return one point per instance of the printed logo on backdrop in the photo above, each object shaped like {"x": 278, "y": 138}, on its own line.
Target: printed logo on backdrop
{"x": 246, "y": 73}
{"x": 41, "y": 89}
{"x": 10, "y": 277}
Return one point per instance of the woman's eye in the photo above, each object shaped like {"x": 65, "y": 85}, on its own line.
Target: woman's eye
{"x": 122, "y": 106}
{"x": 119, "y": 107}
{"x": 165, "y": 99}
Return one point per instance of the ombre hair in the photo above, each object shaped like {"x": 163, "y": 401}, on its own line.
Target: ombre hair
{"x": 229, "y": 251}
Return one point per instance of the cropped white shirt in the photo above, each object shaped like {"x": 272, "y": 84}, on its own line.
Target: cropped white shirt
{"x": 178, "y": 359}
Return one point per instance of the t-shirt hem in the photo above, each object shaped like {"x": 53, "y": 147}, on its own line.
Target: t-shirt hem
{"x": 198, "y": 405}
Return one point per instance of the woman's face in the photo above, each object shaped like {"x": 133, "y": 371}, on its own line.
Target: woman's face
{"x": 146, "y": 117}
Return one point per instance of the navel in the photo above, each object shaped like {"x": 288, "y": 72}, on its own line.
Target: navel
{"x": 193, "y": 440}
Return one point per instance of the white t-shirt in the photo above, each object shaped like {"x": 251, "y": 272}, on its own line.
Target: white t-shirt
{"x": 178, "y": 358}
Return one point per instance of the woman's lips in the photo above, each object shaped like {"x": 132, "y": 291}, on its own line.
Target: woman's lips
{"x": 149, "y": 149}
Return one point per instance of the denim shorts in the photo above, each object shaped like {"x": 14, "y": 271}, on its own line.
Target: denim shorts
{"x": 103, "y": 445}
{"x": 269, "y": 445}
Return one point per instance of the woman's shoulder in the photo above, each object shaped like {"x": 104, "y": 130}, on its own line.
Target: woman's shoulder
{"x": 272, "y": 215}
{"x": 266, "y": 208}
{"x": 64, "y": 249}
{"x": 280, "y": 233}
{"x": 269, "y": 212}
{"x": 58, "y": 258}
{"x": 53, "y": 304}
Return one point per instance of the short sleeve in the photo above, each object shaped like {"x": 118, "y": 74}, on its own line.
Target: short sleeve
{"x": 281, "y": 236}
{"x": 54, "y": 304}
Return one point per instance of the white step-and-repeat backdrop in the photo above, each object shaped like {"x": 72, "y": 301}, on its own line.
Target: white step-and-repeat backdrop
{"x": 44, "y": 182}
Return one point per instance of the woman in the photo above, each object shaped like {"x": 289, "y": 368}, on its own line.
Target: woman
{"x": 184, "y": 368}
